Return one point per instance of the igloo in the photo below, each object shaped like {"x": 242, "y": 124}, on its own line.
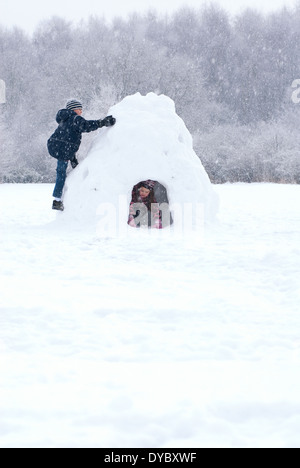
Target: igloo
{"x": 149, "y": 142}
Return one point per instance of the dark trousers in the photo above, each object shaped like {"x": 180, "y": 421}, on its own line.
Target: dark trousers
{"x": 61, "y": 175}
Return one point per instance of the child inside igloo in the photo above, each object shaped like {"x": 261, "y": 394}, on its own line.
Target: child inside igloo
{"x": 149, "y": 206}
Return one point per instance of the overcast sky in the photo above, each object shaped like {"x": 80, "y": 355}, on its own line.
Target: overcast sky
{"x": 28, "y": 13}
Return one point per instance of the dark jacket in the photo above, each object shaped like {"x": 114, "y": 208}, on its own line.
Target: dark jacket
{"x": 65, "y": 141}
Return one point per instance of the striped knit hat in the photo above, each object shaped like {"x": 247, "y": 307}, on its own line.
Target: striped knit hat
{"x": 73, "y": 104}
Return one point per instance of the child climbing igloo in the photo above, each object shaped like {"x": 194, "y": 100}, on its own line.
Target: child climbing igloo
{"x": 149, "y": 142}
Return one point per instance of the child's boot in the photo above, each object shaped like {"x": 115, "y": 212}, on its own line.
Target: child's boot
{"x": 58, "y": 205}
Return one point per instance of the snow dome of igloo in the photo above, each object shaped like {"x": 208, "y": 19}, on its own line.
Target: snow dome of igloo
{"x": 149, "y": 142}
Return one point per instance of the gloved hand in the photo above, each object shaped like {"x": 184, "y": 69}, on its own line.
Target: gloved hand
{"x": 109, "y": 121}
{"x": 74, "y": 163}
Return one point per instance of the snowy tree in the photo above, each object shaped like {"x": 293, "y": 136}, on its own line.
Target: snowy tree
{"x": 4, "y": 153}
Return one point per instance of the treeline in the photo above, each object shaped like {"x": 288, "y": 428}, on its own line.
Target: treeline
{"x": 230, "y": 79}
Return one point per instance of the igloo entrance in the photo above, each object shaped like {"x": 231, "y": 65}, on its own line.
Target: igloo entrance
{"x": 149, "y": 206}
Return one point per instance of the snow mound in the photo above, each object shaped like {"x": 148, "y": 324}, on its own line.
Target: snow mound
{"x": 149, "y": 141}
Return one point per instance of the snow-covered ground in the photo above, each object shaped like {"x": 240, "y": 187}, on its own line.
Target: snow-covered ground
{"x": 151, "y": 340}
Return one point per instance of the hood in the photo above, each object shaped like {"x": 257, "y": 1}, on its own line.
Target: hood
{"x": 63, "y": 115}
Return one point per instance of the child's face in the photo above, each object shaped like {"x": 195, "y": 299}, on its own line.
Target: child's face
{"x": 144, "y": 192}
{"x": 78, "y": 111}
